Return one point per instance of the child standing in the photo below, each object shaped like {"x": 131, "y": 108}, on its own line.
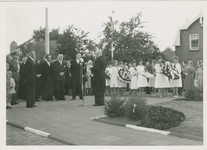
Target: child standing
{"x": 10, "y": 87}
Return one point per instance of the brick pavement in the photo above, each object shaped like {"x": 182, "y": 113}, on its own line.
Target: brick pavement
{"x": 15, "y": 136}
{"x": 71, "y": 122}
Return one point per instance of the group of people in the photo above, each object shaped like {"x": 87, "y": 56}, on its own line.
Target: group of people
{"x": 34, "y": 80}
{"x": 158, "y": 75}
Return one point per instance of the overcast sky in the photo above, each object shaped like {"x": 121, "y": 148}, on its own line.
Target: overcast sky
{"x": 162, "y": 18}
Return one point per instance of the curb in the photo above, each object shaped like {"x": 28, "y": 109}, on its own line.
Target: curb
{"x": 166, "y": 133}
{"x": 39, "y": 132}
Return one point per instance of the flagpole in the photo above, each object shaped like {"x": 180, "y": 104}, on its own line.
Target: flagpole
{"x": 47, "y": 46}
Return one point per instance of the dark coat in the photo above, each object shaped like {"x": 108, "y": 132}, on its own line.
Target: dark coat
{"x": 13, "y": 66}
{"x": 99, "y": 73}
{"x": 30, "y": 76}
{"x": 47, "y": 79}
{"x": 58, "y": 68}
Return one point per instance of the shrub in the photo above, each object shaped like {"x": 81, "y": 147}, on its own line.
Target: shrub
{"x": 136, "y": 108}
{"x": 114, "y": 106}
{"x": 162, "y": 118}
{"x": 194, "y": 94}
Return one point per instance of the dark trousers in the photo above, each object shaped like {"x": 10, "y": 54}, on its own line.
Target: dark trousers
{"x": 77, "y": 88}
{"x": 30, "y": 96}
{"x": 99, "y": 97}
{"x": 37, "y": 89}
{"x": 14, "y": 96}
{"x": 60, "y": 89}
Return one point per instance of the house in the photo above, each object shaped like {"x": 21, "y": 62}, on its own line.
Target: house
{"x": 189, "y": 41}
{"x": 14, "y": 48}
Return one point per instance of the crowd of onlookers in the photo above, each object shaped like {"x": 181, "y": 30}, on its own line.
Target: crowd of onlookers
{"x": 56, "y": 78}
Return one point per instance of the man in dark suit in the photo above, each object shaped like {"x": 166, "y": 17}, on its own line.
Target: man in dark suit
{"x": 30, "y": 76}
{"x": 38, "y": 81}
{"x": 47, "y": 78}
{"x": 99, "y": 78}
{"x": 59, "y": 68}
{"x": 77, "y": 66}
{"x": 68, "y": 78}
{"x": 22, "y": 82}
{"x": 14, "y": 66}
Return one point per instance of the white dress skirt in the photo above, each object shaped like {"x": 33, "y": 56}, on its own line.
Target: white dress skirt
{"x": 142, "y": 80}
{"x": 178, "y": 82}
{"x": 113, "y": 76}
{"x": 108, "y": 80}
{"x": 161, "y": 80}
{"x": 133, "y": 74}
{"x": 151, "y": 82}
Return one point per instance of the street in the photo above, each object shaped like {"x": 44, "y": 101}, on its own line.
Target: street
{"x": 15, "y": 136}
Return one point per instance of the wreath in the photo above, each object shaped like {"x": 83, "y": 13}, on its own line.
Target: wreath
{"x": 124, "y": 75}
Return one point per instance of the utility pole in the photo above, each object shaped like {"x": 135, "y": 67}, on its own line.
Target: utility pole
{"x": 112, "y": 41}
{"x": 47, "y": 38}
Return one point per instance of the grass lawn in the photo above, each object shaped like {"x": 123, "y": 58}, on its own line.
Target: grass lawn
{"x": 193, "y": 110}
{"x": 192, "y": 125}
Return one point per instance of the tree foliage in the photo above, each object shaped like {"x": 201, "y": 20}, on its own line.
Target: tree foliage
{"x": 129, "y": 40}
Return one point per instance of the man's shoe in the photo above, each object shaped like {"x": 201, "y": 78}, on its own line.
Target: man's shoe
{"x": 72, "y": 99}
{"x": 95, "y": 105}
{"x": 37, "y": 101}
{"x": 8, "y": 107}
{"x": 81, "y": 98}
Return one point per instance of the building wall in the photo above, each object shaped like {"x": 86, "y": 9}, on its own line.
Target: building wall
{"x": 183, "y": 52}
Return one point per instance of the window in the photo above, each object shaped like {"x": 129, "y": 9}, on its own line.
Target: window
{"x": 194, "y": 41}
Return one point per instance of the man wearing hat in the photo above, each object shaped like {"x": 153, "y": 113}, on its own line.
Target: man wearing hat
{"x": 14, "y": 67}
{"x": 99, "y": 78}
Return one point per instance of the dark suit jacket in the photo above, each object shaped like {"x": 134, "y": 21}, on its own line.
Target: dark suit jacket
{"x": 77, "y": 69}
{"x": 30, "y": 72}
{"x": 99, "y": 73}
{"x": 58, "y": 68}
{"x": 13, "y": 66}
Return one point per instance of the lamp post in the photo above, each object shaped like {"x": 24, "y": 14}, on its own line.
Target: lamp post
{"x": 47, "y": 45}
{"x": 112, "y": 42}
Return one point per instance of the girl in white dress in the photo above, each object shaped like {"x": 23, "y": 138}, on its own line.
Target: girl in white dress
{"x": 129, "y": 66}
{"x": 133, "y": 74}
{"x": 175, "y": 84}
{"x": 142, "y": 80}
{"x": 152, "y": 80}
{"x": 108, "y": 70}
{"x": 161, "y": 80}
{"x": 114, "y": 76}
{"x": 121, "y": 84}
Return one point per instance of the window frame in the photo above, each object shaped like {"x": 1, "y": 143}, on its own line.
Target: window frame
{"x": 190, "y": 39}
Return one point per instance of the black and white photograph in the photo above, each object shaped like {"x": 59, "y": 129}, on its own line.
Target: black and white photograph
{"x": 103, "y": 73}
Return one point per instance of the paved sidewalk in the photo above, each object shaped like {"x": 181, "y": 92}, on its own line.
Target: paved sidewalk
{"x": 72, "y": 123}
{"x": 15, "y": 136}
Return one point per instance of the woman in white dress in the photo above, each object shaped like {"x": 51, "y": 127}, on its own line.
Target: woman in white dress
{"x": 142, "y": 79}
{"x": 133, "y": 74}
{"x": 176, "y": 83}
{"x": 121, "y": 84}
{"x": 114, "y": 77}
{"x": 152, "y": 80}
{"x": 108, "y": 70}
{"x": 161, "y": 80}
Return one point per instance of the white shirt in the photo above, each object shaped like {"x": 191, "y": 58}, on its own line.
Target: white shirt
{"x": 47, "y": 62}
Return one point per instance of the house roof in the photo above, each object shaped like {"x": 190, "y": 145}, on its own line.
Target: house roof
{"x": 186, "y": 26}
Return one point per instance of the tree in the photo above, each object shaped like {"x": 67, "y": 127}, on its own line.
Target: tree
{"x": 169, "y": 53}
{"x": 39, "y": 48}
{"x": 129, "y": 41}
